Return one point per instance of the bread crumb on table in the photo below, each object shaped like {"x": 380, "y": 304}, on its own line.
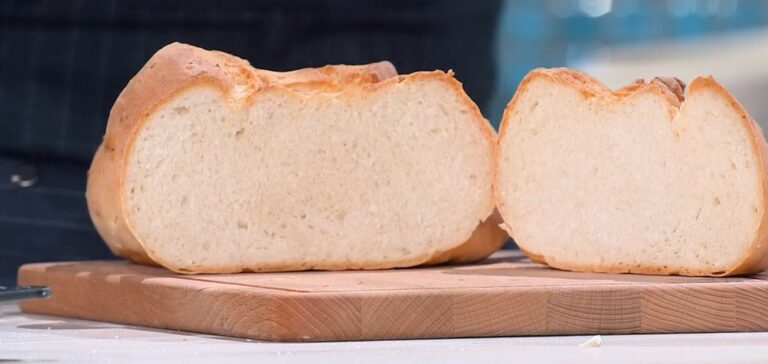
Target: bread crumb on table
{"x": 593, "y": 342}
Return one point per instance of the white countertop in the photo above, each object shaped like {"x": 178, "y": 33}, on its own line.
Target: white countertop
{"x": 33, "y": 338}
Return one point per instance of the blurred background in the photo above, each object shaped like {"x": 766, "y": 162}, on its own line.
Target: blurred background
{"x": 618, "y": 41}
{"x": 63, "y": 63}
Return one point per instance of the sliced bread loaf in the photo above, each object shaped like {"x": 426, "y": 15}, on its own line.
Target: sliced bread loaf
{"x": 209, "y": 165}
{"x": 640, "y": 180}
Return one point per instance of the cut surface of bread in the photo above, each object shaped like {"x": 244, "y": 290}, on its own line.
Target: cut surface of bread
{"x": 209, "y": 165}
{"x": 634, "y": 180}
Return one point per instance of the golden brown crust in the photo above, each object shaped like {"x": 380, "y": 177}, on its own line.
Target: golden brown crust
{"x": 755, "y": 258}
{"x": 177, "y": 67}
{"x": 488, "y": 237}
{"x": 485, "y": 240}
{"x": 103, "y": 206}
{"x": 673, "y": 85}
{"x": 170, "y": 69}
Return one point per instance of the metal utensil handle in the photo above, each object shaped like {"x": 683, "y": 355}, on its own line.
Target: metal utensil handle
{"x": 16, "y": 293}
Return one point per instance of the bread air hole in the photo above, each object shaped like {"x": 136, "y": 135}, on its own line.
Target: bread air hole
{"x": 242, "y": 225}
{"x": 181, "y": 110}
{"x": 239, "y": 133}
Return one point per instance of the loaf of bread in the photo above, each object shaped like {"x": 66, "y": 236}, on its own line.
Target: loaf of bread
{"x": 642, "y": 179}
{"x": 209, "y": 165}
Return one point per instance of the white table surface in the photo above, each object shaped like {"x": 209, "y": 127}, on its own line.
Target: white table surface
{"x": 45, "y": 339}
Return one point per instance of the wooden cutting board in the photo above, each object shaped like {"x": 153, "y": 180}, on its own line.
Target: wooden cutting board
{"x": 504, "y": 296}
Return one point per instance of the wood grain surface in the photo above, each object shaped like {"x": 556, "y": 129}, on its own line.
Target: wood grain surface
{"x": 504, "y": 296}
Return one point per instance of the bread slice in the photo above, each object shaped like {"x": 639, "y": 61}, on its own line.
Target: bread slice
{"x": 209, "y": 165}
{"x": 636, "y": 180}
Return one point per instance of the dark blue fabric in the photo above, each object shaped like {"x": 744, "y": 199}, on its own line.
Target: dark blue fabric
{"x": 47, "y": 221}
